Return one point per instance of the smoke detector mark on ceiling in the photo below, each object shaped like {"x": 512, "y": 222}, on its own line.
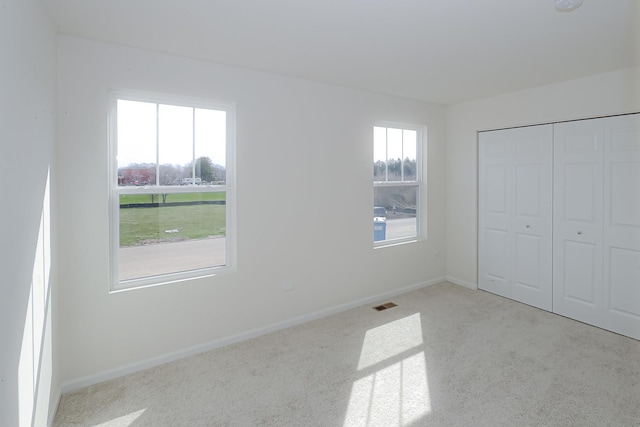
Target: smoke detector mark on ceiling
{"x": 385, "y": 306}
{"x": 567, "y": 5}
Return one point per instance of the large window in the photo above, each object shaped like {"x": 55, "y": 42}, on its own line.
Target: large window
{"x": 396, "y": 183}
{"x": 171, "y": 189}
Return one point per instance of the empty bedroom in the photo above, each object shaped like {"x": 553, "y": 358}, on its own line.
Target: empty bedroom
{"x": 320, "y": 213}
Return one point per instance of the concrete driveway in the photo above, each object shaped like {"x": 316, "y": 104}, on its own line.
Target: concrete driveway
{"x": 171, "y": 257}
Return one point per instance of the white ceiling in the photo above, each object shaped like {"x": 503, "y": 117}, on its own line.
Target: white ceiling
{"x": 442, "y": 51}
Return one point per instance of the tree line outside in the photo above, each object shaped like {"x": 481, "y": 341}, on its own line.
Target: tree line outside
{"x": 169, "y": 174}
{"x": 396, "y": 167}
{"x": 166, "y": 217}
{"x": 396, "y": 198}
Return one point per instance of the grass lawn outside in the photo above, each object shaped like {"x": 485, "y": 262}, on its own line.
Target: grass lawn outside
{"x": 141, "y": 226}
{"x": 126, "y": 199}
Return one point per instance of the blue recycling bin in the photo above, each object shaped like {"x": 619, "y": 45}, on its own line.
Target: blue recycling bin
{"x": 379, "y": 230}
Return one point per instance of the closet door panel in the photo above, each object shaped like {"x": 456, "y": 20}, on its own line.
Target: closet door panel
{"x": 494, "y": 203}
{"x": 580, "y": 273}
{"x": 515, "y": 187}
{"x": 529, "y": 252}
{"x": 533, "y": 217}
{"x": 496, "y": 262}
{"x": 577, "y": 234}
{"x": 623, "y": 278}
{"x": 622, "y": 225}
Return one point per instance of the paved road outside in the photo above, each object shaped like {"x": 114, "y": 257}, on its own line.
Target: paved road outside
{"x": 171, "y": 257}
{"x": 164, "y": 258}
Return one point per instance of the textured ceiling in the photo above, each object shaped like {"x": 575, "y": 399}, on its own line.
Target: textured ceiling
{"x": 442, "y": 51}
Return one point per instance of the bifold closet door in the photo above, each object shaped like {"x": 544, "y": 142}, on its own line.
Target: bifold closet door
{"x": 621, "y": 298}
{"x": 596, "y": 266}
{"x": 515, "y": 218}
{"x": 578, "y": 215}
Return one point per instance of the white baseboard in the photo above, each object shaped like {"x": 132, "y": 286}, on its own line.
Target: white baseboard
{"x": 89, "y": 380}
{"x": 461, "y": 282}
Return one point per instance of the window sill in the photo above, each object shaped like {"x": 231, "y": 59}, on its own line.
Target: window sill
{"x": 395, "y": 242}
{"x": 167, "y": 279}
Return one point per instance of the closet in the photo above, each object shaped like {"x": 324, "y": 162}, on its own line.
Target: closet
{"x": 559, "y": 219}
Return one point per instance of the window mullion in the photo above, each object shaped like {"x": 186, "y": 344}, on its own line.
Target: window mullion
{"x": 402, "y": 156}
{"x": 172, "y": 189}
{"x": 386, "y": 154}
{"x": 157, "y": 144}
{"x": 193, "y": 144}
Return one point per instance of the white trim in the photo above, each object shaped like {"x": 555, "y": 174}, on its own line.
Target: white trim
{"x": 110, "y": 374}
{"x": 167, "y": 278}
{"x": 461, "y": 282}
{"x": 172, "y": 189}
{"x": 53, "y": 409}
{"x": 114, "y": 197}
{"x": 395, "y": 242}
{"x": 396, "y": 183}
{"x": 169, "y": 99}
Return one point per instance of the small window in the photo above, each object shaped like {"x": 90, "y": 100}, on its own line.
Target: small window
{"x": 396, "y": 183}
{"x": 172, "y": 189}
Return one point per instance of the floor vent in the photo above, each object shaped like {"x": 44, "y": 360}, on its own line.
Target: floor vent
{"x": 385, "y": 306}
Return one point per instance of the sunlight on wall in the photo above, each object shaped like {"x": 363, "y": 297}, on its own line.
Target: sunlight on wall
{"x": 35, "y": 353}
{"x": 26, "y": 377}
{"x": 393, "y": 390}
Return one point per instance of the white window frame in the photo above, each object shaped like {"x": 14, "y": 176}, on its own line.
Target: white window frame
{"x": 418, "y": 182}
{"x": 115, "y": 191}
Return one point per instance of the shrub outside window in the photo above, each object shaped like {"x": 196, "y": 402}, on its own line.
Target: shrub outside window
{"x": 172, "y": 170}
{"x": 396, "y": 183}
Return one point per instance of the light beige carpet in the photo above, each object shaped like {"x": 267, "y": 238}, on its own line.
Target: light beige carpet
{"x": 446, "y": 356}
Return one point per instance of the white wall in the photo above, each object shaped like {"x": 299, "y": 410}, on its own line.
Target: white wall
{"x": 604, "y": 94}
{"x": 304, "y": 201}
{"x": 27, "y": 122}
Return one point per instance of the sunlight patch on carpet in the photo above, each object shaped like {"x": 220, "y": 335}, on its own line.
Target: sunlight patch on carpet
{"x": 123, "y": 421}
{"x": 394, "y": 389}
{"x": 389, "y": 340}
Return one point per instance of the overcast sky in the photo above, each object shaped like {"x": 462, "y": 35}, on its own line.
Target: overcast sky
{"x": 392, "y": 143}
{"x": 137, "y": 141}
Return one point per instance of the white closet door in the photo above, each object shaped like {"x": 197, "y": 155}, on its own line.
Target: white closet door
{"x": 533, "y": 189}
{"x": 515, "y": 219}
{"x": 578, "y": 215}
{"x": 495, "y": 210}
{"x": 622, "y": 224}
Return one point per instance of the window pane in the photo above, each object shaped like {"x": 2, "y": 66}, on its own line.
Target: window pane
{"x": 136, "y": 145}
{"x": 400, "y": 204}
{"x": 379, "y": 154}
{"x": 170, "y": 233}
{"x": 176, "y": 138}
{"x": 211, "y": 134}
{"x": 172, "y": 174}
{"x": 409, "y": 160}
{"x": 394, "y": 154}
